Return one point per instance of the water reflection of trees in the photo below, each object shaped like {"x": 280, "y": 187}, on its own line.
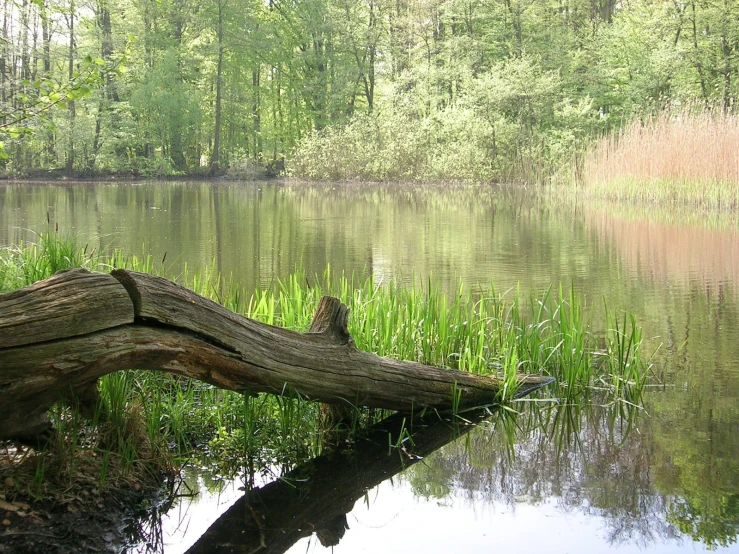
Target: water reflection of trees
{"x": 679, "y": 276}
{"x": 597, "y": 460}
{"x": 687, "y": 265}
{"x": 259, "y": 232}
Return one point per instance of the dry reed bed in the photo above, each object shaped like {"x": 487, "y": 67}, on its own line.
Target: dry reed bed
{"x": 670, "y": 159}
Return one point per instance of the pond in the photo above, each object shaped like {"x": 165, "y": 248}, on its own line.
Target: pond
{"x": 666, "y": 481}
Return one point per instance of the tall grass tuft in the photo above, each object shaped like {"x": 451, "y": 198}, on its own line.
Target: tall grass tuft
{"x": 27, "y": 263}
{"x": 684, "y": 158}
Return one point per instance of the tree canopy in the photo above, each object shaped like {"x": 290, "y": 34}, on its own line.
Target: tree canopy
{"x": 489, "y": 89}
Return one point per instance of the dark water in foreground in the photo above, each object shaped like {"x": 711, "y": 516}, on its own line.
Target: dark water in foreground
{"x": 588, "y": 482}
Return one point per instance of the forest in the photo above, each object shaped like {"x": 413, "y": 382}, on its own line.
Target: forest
{"x": 393, "y": 90}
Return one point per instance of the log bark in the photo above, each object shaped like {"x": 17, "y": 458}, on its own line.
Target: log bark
{"x": 65, "y": 332}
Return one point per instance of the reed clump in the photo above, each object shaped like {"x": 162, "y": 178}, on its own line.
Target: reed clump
{"x": 686, "y": 158}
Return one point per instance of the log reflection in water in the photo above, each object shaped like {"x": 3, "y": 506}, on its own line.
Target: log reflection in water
{"x": 316, "y": 496}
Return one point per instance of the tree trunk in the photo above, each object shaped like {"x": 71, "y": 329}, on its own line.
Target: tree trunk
{"x": 109, "y": 93}
{"x": 70, "y": 105}
{"x": 727, "y": 51}
{"x": 256, "y": 109}
{"x": 63, "y": 333}
{"x": 4, "y": 55}
{"x": 46, "y": 35}
{"x": 215, "y": 157}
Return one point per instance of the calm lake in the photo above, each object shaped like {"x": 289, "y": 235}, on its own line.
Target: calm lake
{"x": 665, "y": 480}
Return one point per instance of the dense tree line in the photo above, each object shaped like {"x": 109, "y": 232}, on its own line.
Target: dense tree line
{"x": 468, "y": 89}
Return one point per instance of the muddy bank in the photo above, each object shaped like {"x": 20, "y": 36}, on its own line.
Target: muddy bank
{"x": 75, "y": 515}
{"x": 95, "y": 525}
{"x": 254, "y": 172}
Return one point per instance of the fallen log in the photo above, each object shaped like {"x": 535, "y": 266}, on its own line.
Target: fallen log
{"x": 63, "y": 333}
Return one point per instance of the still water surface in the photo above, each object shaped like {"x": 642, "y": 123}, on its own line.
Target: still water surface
{"x": 669, "y": 482}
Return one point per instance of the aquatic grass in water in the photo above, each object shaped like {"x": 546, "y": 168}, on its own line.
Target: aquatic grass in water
{"x": 623, "y": 356}
{"x": 484, "y": 332}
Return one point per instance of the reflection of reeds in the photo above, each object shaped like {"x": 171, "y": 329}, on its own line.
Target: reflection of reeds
{"x": 670, "y": 251}
{"x": 683, "y": 159}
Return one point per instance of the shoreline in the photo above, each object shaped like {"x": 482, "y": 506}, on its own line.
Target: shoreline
{"x": 131, "y": 179}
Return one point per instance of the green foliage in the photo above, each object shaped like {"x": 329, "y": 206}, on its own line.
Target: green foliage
{"x": 32, "y": 108}
{"x": 168, "y": 116}
{"x": 512, "y": 122}
{"x": 451, "y": 90}
{"x": 370, "y": 147}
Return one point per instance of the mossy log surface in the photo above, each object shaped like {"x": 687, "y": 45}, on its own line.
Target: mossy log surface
{"x": 63, "y": 333}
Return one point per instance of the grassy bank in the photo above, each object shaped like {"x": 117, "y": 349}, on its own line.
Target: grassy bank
{"x": 145, "y": 421}
{"x": 688, "y": 159}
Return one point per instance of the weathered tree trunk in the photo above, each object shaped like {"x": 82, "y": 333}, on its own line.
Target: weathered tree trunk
{"x": 63, "y": 333}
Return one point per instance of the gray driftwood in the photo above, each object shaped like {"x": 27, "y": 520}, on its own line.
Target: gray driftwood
{"x": 63, "y": 333}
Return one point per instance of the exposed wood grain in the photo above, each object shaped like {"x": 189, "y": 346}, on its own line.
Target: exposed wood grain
{"x": 69, "y": 303}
